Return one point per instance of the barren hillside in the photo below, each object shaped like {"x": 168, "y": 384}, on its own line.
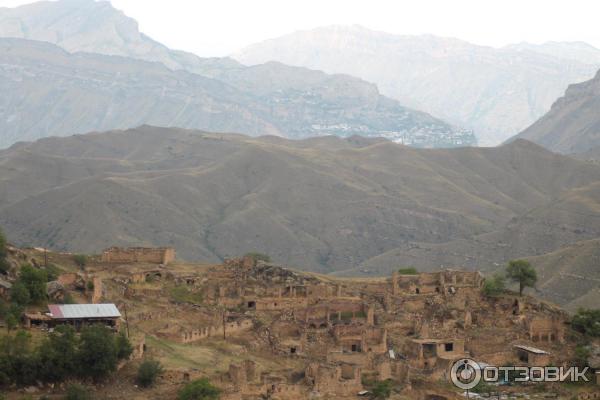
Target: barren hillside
{"x": 323, "y": 204}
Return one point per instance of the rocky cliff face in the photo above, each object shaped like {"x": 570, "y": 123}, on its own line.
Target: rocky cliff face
{"x": 573, "y": 123}
{"x": 496, "y": 92}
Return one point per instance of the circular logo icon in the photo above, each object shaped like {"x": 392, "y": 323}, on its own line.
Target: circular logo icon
{"x": 465, "y": 373}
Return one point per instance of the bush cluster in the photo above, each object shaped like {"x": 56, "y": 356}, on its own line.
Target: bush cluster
{"x": 63, "y": 354}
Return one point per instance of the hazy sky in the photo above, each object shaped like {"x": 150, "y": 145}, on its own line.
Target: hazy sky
{"x": 219, "y": 27}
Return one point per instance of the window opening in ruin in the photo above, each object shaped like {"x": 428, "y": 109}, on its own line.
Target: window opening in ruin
{"x": 429, "y": 350}
{"x": 523, "y": 357}
{"x": 417, "y": 290}
{"x": 449, "y": 346}
{"x": 251, "y": 304}
{"x": 292, "y": 350}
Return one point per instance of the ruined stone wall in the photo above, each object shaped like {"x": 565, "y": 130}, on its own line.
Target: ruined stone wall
{"x": 158, "y": 255}
{"x": 194, "y": 335}
{"x": 98, "y": 290}
{"x": 546, "y": 329}
{"x": 435, "y": 282}
{"x": 339, "y": 380}
{"x": 279, "y": 303}
{"x": 67, "y": 279}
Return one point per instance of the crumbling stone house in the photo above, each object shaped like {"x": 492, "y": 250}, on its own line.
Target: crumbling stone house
{"x": 152, "y": 255}
{"x": 334, "y": 379}
{"x": 546, "y": 329}
{"x": 443, "y": 282}
{"x": 431, "y": 354}
{"x": 532, "y": 356}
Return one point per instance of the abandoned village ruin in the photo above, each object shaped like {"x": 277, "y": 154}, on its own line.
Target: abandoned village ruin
{"x": 336, "y": 333}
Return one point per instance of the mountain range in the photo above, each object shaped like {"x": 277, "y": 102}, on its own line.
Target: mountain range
{"x": 497, "y": 92}
{"x": 77, "y": 66}
{"x": 356, "y": 206}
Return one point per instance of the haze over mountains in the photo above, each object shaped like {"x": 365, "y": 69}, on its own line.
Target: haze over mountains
{"x": 48, "y": 92}
{"x": 572, "y": 125}
{"x": 356, "y": 205}
{"x": 496, "y": 92}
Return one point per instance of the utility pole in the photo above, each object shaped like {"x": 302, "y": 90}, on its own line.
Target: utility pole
{"x": 126, "y": 319}
{"x": 45, "y": 258}
{"x": 224, "y": 322}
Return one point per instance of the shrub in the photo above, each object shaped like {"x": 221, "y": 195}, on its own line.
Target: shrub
{"x": 256, "y": 256}
{"x": 200, "y": 389}
{"x": 494, "y": 286}
{"x": 582, "y": 354}
{"x": 587, "y": 322}
{"x": 52, "y": 272}
{"x": 123, "y": 346}
{"x": 80, "y": 260}
{"x": 11, "y": 322}
{"x": 77, "y": 392}
{"x": 382, "y": 390}
{"x": 147, "y": 373}
{"x": 408, "y": 271}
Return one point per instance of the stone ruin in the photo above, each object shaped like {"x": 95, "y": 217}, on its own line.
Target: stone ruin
{"x": 128, "y": 255}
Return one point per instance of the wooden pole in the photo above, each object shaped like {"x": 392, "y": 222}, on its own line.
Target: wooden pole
{"x": 126, "y": 319}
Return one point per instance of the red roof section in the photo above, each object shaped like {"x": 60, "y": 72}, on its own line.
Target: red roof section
{"x": 55, "y": 310}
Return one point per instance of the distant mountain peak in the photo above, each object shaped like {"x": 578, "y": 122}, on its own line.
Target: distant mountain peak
{"x": 497, "y": 92}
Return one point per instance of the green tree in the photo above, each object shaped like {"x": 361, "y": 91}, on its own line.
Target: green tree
{"x": 200, "y": 389}
{"x": 522, "y": 272}
{"x": 80, "y": 260}
{"x": 123, "y": 346}
{"x": 18, "y": 363}
{"x": 58, "y": 354}
{"x": 35, "y": 281}
{"x": 147, "y": 373}
{"x": 408, "y": 271}
{"x": 587, "y": 321}
{"x": 52, "y": 272}
{"x": 494, "y": 285}
{"x": 77, "y": 392}
{"x": 97, "y": 356}
{"x": 11, "y": 322}
{"x": 19, "y": 294}
{"x": 382, "y": 390}
{"x": 582, "y": 353}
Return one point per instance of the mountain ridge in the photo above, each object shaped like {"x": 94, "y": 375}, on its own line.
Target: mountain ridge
{"x": 49, "y": 91}
{"x": 572, "y": 125}
{"x": 495, "y": 91}
{"x": 325, "y": 204}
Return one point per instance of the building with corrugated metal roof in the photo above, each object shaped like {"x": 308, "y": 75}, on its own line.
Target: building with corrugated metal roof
{"x": 78, "y": 315}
